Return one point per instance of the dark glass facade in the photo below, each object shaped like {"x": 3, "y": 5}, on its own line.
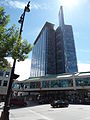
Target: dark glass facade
{"x": 65, "y": 47}
{"x": 60, "y": 59}
{"x": 69, "y": 50}
{"x": 43, "y": 53}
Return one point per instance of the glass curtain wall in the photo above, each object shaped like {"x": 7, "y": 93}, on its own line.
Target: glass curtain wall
{"x": 38, "y": 56}
{"x": 69, "y": 50}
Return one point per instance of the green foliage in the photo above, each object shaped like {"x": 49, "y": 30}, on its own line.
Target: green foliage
{"x": 11, "y": 44}
{"x": 20, "y": 48}
{"x": 4, "y": 19}
{"x": 4, "y": 64}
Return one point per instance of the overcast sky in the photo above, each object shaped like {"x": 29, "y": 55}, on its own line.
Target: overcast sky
{"x": 76, "y": 13}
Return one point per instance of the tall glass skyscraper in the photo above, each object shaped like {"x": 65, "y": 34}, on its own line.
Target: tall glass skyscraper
{"x": 54, "y": 50}
{"x": 65, "y": 48}
{"x": 43, "y": 53}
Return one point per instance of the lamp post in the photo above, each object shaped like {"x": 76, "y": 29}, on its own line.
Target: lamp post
{"x": 5, "y": 112}
{"x": 21, "y": 21}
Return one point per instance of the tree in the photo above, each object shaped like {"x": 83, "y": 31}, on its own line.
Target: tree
{"x": 11, "y": 44}
{"x": 4, "y": 19}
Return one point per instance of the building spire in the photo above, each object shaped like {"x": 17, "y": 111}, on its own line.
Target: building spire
{"x": 61, "y": 17}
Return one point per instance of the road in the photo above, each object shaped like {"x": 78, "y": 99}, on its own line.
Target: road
{"x": 46, "y": 112}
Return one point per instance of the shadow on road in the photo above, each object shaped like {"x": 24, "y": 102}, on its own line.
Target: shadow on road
{"x": 29, "y": 104}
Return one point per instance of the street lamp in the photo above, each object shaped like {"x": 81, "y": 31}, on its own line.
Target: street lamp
{"x": 5, "y": 112}
{"x": 21, "y": 20}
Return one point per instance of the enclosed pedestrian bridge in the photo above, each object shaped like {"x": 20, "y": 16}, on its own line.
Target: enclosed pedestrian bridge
{"x": 60, "y": 82}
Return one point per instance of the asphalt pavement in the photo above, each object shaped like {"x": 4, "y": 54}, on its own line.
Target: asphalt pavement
{"x": 46, "y": 112}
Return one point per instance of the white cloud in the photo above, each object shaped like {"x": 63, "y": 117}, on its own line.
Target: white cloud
{"x": 22, "y": 68}
{"x": 72, "y": 3}
{"x": 14, "y": 4}
{"x": 21, "y": 5}
{"x": 35, "y": 5}
{"x": 83, "y": 67}
{"x": 17, "y": 4}
{"x": 84, "y": 50}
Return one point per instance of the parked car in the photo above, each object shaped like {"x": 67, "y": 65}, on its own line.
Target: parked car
{"x": 18, "y": 102}
{"x": 60, "y": 103}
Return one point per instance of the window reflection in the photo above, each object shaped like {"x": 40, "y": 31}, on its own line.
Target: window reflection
{"x": 82, "y": 81}
{"x": 57, "y": 83}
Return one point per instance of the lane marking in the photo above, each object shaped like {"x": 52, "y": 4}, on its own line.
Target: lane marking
{"x": 39, "y": 114}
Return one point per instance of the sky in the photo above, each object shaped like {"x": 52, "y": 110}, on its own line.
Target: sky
{"x": 76, "y": 13}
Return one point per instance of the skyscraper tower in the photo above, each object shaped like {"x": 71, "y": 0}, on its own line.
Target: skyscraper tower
{"x": 54, "y": 50}
{"x": 66, "y": 60}
{"x": 61, "y": 17}
{"x": 43, "y": 53}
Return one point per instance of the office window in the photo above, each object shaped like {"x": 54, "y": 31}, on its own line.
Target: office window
{"x": 5, "y": 83}
{"x": 1, "y": 73}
